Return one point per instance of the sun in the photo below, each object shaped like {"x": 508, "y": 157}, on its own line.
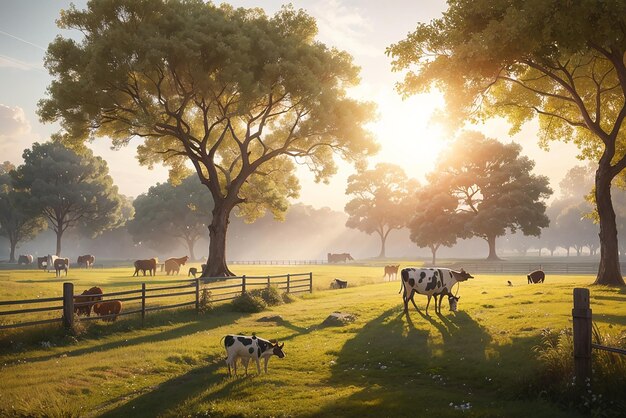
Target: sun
{"x": 407, "y": 134}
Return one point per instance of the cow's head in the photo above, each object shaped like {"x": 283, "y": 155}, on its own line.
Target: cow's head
{"x": 453, "y": 300}
{"x": 277, "y": 350}
{"x": 462, "y": 275}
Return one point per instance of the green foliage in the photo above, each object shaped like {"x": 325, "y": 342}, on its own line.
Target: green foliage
{"x": 71, "y": 190}
{"x": 169, "y": 211}
{"x": 247, "y": 302}
{"x": 288, "y": 297}
{"x": 381, "y": 201}
{"x": 493, "y": 186}
{"x": 269, "y": 294}
{"x": 19, "y": 220}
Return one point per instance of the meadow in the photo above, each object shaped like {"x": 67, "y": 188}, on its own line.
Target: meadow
{"x": 477, "y": 362}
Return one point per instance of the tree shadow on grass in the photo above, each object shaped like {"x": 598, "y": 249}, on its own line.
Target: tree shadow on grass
{"x": 160, "y": 399}
{"x": 404, "y": 369}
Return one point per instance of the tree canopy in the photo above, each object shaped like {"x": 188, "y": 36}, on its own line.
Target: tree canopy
{"x": 69, "y": 189}
{"x": 239, "y": 95}
{"x": 19, "y": 221}
{"x": 169, "y": 213}
{"x": 493, "y": 186}
{"x": 559, "y": 61}
{"x": 381, "y": 200}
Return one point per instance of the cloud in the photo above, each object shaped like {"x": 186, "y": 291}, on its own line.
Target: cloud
{"x": 13, "y": 121}
{"x": 345, "y": 27}
{"x": 10, "y": 62}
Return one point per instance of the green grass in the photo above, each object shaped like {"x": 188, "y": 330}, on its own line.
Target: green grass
{"x": 383, "y": 364}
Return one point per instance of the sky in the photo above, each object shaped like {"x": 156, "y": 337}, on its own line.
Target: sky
{"x": 363, "y": 28}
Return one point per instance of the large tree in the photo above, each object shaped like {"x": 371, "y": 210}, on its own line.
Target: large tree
{"x": 169, "y": 214}
{"x": 19, "y": 221}
{"x": 435, "y": 222}
{"x": 494, "y": 188}
{"x": 70, "y": 189}
{"x": 380, "y": 201}
{"x": 560, "y": 61}
{"x": 239, "y": 95}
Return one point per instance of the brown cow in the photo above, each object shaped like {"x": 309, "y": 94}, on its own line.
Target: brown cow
{"x": 108, "y": 307}
{"x": 336, "y": 258}
{"x": 391, "y": 271}
{"x": 192, "y": 272}
{"x": 83, "y": 302}
{"x": 144, "y": 265}
{"x": 87, "y": 260}
{"x": 172, "y": 265}
{"x": 42, "y": 263}
{"x": 536, "y": 276}
{"x": 61, "y": 264}
{"x": 25, "y": 259}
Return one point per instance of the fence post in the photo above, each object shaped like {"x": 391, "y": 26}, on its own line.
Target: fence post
{"x": 310, "y": 282}
{"x": 143, "y": 302}
{"x": 68, "y": 305}
{"x": 288, "y": 281}
{"x": 581, "y": 315}
{"x": 197, "y": 295}
{"x": 243, "y": 284}
{"x": 268, "y": 281}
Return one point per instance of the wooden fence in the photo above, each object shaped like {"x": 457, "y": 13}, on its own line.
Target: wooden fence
{"x": 525, "y": 268}
{"x": 582, "y": 328}
{"x": 136, "y": 301}
{"x": 278, "y": 262}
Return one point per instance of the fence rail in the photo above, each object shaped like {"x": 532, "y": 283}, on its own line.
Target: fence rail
{"x": 520, "y": 267}
{"x": 582, "y": 328}
{"x": 222, "y": 289}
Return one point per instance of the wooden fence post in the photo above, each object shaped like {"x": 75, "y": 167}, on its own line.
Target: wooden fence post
{"x": 68, "y": 305}
{"x": 581, "y": 315}
{"x": 310, "y": 282}
{"x": 288, "y": 282}
{"x": 197, "y": 295}
{"x": 268, "y": 281}
{"x": 143, "y": 302}
{"x": 243, "y": 284}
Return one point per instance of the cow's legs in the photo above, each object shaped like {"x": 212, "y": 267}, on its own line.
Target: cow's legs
{"x": 258, "y": 366}
{"x": 428, "y": 303}
{"x": 413, "y": 292}
{"x": 266, "y": 360}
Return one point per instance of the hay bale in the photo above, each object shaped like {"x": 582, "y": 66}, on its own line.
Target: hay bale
{"x": 339, "y": 319}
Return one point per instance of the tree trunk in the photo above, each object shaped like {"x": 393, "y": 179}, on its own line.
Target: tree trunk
{"x": 383, "y": 239}
{"x": 433, "y": 250}
{"x": 190, "y": 244}
{"x": 609, "y": 272}
{"x": 12, "y": 255}
{"x": 491, "y": 240}
{"x": 551, "y": 253}
{"x": 216, "y": 262}
{"x": 59, "y": 236}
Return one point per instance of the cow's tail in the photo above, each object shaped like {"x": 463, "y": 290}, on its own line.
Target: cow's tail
{"x": 404, "y": 274}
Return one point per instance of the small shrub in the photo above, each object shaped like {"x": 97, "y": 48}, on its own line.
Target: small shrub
{"x": 206, "y": 304}
{"x": 288, "y": 297}
{"x": 78, "y": 327}
{"x": 557, "y": 377}
{"x": 248, "y": 303}
{"x": 270, "y": 295}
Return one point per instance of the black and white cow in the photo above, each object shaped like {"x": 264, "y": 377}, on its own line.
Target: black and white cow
{"x": 431, "y": 282}
{"x": 246, "y": 348}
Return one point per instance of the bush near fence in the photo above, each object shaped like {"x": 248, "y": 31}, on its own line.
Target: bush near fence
{"x": 139, "y": 301}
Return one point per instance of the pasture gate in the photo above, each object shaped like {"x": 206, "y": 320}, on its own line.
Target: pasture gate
{"x": 582, "y": 330}
{"x": 136, "y": 300}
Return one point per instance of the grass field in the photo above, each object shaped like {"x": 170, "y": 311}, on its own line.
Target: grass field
{"x": 476, "y": 362}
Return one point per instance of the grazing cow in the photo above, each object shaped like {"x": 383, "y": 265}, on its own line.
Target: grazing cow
{"x": 338, "y": 284}
{"x": 108, "y": 307}
{"x": 143, "y": 265}
{"x": 536, "y": 276}
{"x": 24, "y": 259}
{"x": 172, "y": 265}
{"x": 430, "y": 282}
{"x": 87, "y": 260}
{"x": 61, "y": 264}
{"x": 84, "y": 301}
{"x": 391, "y": 271}
{"x": 50, "y": 262}
{"x": 336, "y": 258}
{"x": 246, "y": 348}
{"x": 42, "y": 263}
{"x": 192, "y": 272}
